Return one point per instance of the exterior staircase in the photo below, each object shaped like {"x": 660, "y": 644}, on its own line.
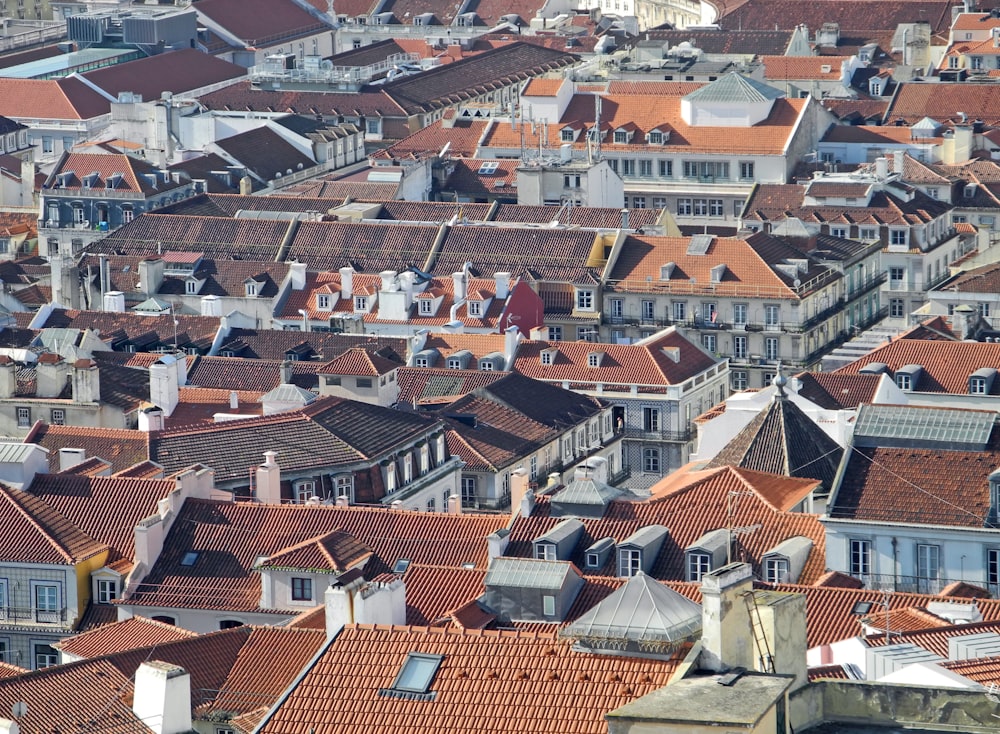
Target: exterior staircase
{"x": 860, "y": 345}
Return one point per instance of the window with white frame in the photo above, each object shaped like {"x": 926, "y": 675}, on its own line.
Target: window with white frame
{"x": 616, "y": 307}
{"x": 897, "y": 308}
{"x": 740, "y": 347}
{"x": 651, "y": 460}
{"x": 46, "y": 600}
{"x": 545, "y": 552}
{"x": 698, "y": 564}
{"x": 4, "y": 599}
{"x": 859, "y": 557}
{"x": 776, "y": 570}
{"x": 772, "y": 316}
{"x": 715, "y": 207}
{"x": 407, "y": 468}
{"x": 993, "y": 567}
{"x": 425, "y": 459}
{"x": 645, "y": 168}
{"x": 678, "y": 310}
{"x": 323, "y": 301}
{"x": 584, "y": 299}
{"x": 343, "y": 486}
{"x": 898, "y": 236}
{"x": 304, "y": 489}
{"x": 475, "y": 308}
{"x": 629, "y": 562}
{"x": 977, "y": 385}
{"x": 43, "y": 655}
{"x": 361, "y": 303}
{"x": 738, "y": 379}
{"x": 190, "y": 286}
{"x": 468, "y": 491}
{"x": 6, "y": 654}
{"x": 57, "y": 417}
{"x": 904, "y": 381}
{"x": 928, "y": 563}
{"x": 650, "y": 419}
{"x": 771, "y": 348}
{"x": 746, "y": 170}
{"x": 107, "y": 590}
{"x": 23, "y": 417}
{"x": 710, "y": 342}
{"x": 555, "y": 334}
{"x": 533, "y": 468}
{"x": 426, "y": 307}
{"x": 665, "y": 168}
{"x": 684, "y": 207}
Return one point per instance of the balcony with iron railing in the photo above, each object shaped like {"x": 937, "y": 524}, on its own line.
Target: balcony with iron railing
{"x": 33, "y": 616}
{"x": 649, "y": 433}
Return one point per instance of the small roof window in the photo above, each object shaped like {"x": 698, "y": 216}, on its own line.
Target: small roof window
{"x": 417, "y": 672}
{"x": 401, "y": 565}
{"x": 189, "y": 558}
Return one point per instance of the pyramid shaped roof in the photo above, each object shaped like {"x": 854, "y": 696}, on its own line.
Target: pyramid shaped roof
{"x": 782, "y": 439}
{"x": 734, "y": 88}
{"x": 641, "y": 611}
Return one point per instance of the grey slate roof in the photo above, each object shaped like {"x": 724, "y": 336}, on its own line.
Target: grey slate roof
{"x": 735, "y": 88}
{"x": 528, "y": 573}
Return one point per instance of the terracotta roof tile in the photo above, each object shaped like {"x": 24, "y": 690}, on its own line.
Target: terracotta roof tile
{"x": 782, "y": 68}
{"x": 125, "y": 635}
{"x": 534, "y": 683}
{"x": 430, "y": 383}
{"x": 122, "y": 447}
{"x": 577, "y": 216}
{"x": 947, "y": 365}
{"x": 54, "y": 99}
{"x": 368, "y": 248}
{"x": 232, "y": 536}
{"x": 433, "y": 592}
{"x": 261, "y": 22}
{"x": 836, "y": 391}
{"x": 217, "y": 237}
{"x": 33, "y": 532}
{"x": 945, "y": 101}
{"x": 333, "y": 552}
{"x": 180, "y": 71}
{"x": 857, "y": 14}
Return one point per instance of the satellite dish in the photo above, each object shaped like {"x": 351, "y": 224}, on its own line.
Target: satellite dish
{"x": 19, "y": 709}
{"x": 796, "y": 282}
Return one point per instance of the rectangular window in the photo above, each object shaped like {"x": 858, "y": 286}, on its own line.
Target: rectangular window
{"x": 322, "y": 301}
{"x": 616, "y": 306}
{"x": 645, "y": 168}
{"x": 43, "y": 655}
{"x": 739, "y": 314}
{"x": 776, "y": 570}
{"x": 684, "y": 207}
{"x": 651, "y": 420}
{"x": 585, "y": 300}
{"x": 740, "y": 347}
{"x": 666, "y": 168}
{"x": 679, "y": 310}
{"x": 746, "y": 170}
{"x": 897, "y": 236}
{"x": 302, "y": 589}
{"x": 638, "y": 202}
{"x": 659, "y": 202}
{"x": 468, "y": 491}
{"x": 928, "y": 566}
{"x": 46, "y": 599}
{"x": 993, "y": 568}
{"x": 651, "y": 460}
{"x": 629, "y": 562}
{"x": 58, "y": 417}
{"x": 107, "y": 591}
{"x": 587, "y": 334}
{"x": 709, "y": 342}
{"x": 364, "y": 382}
{"x": 555, "y": 333}
{"x": 771, "y": 348}
{"x": 475, "y": 308}
{"x": 772, "y": 317}
{"x": 648, "y": 310}
{"x": 897, "y": 308}
{"x": 698, "y": 564}
{"x": 700, "y": 207}
{"x": 738, "y": 379}
{"x": 715, "y": 207}
{"x": 628, "y": 166}
{"x": 545, "y": 552}
{"x": 860, "y": 558}
{"x": 23, "y": 417}
{"x": 426, "y": 307}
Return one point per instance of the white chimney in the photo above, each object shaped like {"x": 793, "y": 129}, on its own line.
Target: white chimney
{"x": 234, "y": 400}
{"x": 727, "y": 638}
{"x": 114, "y": 301}
{"x": 598, "y": 467}
{"x": 297, "y": 275}
{"x": 163, "y": 389}
{"x": 898, "y": 162}
{"x": 881, "y": 168}
{"x": 381, "y": 603}
{"x": 343, "y": 501}
{"x": 496, "y": 543}
{"x": 68, "y": 458}
{"x": 390, "y": 281}
{"x": 511, "y": 337}
{"x": 9, "y": 727}
{"x": 461, "y": 285}
{"x": 454, "y": 505}
{"x": 268, "y": 482}
{"x": 346, "y": 282}
{"x": 211, "y": 306}
{"x": 161, "y": 697}
{"x": 151, "y": 419}
{"x": 503, "y": 285}
{"x": 339, "y": 603}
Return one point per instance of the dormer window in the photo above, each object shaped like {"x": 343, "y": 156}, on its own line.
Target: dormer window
{"x": 585, "y": 300}
{"x": 656, "y": 137}
{"x": 567, "y": 135}
{"x": 191, "y": 286}
{"x": 981, "y": 381}
{"x": 594, "y": 134}
{"x": 545, "y": 552}
{"x": 548, "y": 356}
{"x": 622, "y": 136}
{"x": 475, "y": 308}
{"x": 594, "y": 359}
{"x": 698, "y": 564}
{"x": 361, "y": 303}
{"x": 629, "y": 562}
{"x": 776, "y": 570}
{"x": 323, "y": 301}
{"x": 251, "y": 288}
{"x": 906, "y": 377}
{"x": 426, "y": 307}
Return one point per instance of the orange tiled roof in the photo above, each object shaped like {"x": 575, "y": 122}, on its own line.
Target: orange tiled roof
{"x": 125, "y": 635}
{"x": 975, "y": 22}
{"x": 946, "y": 364}
{"x": 487, "y": 681}
{"x": 334, "y": 552}
{"x": 223, "y": 579}
{"x": 823, "y": 68}
{"x": 122, "y": 447}
{"x": 542, "y": 87}
{"x": 768, "y": 137}
{"x": 432, "y": 592}
{"x": 33, "y": 532}
{"x": 836, "y": 391}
